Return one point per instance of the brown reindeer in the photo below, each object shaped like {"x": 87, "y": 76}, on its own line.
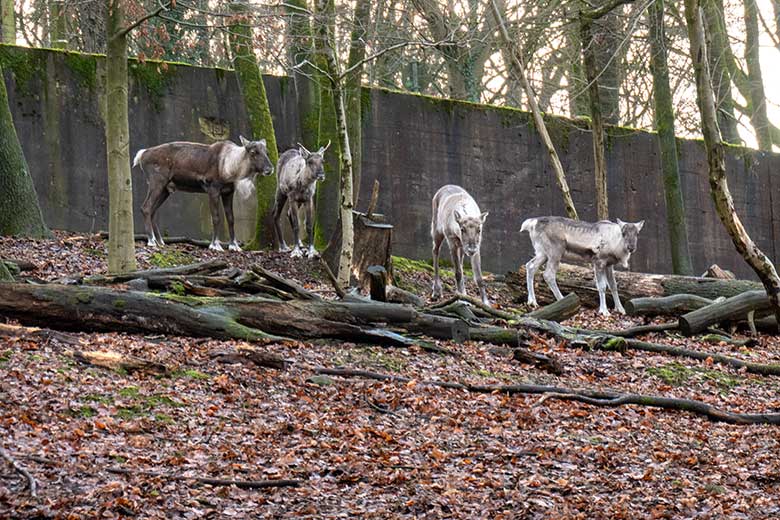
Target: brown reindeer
{"x": 217, "y": 170}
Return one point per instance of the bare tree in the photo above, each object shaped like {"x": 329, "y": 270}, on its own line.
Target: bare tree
{"x": 719, "y": 188}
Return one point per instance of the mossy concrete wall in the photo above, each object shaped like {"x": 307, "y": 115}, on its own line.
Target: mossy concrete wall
{"x": 412, "y": 145}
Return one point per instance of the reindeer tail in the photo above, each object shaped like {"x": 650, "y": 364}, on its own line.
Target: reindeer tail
{"x": 138, "y": 156}
{"x": 528, "y": 225}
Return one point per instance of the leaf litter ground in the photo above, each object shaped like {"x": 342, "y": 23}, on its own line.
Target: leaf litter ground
{"x": 365, "y": 448}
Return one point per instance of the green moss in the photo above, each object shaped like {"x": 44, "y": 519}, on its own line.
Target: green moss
{"x": 119, "y": 303}
{"x": 170, "y": 258}
{"x": 154, "y": 76}
{"x": 82, "y": 412}
{"x": 25, "y": 64}
{"x": 98, "y": 398}
{"x": 178, "y": 288}
{"x": 129, "y": 391}
{"x": 84, "y": 67}
{"x": 191, "y": 374}
{"x": 5, "y": 356}
{"x": 676, "y": 374}
{"x": 83, "y": 297}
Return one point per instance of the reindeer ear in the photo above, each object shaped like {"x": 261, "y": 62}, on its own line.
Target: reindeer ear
{"x": 484, "y": 216}
{"x": 620, "y": 223}
{"x": 639, "y": 225}
{"x": 262, "y": 141}
{"x": 458, "y": 216}
{"x": 243, "y": 140}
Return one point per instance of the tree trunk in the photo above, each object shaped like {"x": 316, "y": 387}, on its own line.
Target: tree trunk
{"x": 306, "y": 89}
{"x": 578, "y": 279}
{"x": 57, "y": 24}
{"x": 330, "y": 53}
{"x": 664, "y": 123}
{"x": 20, "y": 213}
{"x": 327, "y": 207}
{"x": 597, "y": 123}
{"x": 607, "y": 34}
{"x": 719, "y": 188}
{"x": 253, "y": 93}
{"x": 357, "y": 53}
{"x": 518, "y": 68}
{"x": 7, "y": 22}
{"x": 673, "y": 305}
{"x": 757, "y": 100}
{"x": 718, "y": 44}
{"x": 92, "y": 25}
{"x": 121, "y": 242}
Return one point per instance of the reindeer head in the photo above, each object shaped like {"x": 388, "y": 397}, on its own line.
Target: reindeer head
{"x": 257, "y": 152}
{"x": 315, "y": 161}
{"x": 470, "y": 231}
{"x": 630, "y": 233}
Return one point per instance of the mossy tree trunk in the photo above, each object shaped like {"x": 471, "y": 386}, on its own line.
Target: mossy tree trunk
{"x": 517, "y": 66}
{"x": 57, "y": 24}
{"x": 330, "y": 54}
{"x": 301, "y": 49}
{"x": 20, "y": 213}
{"x": 717, "y": 43}
{"x": 757, "y": 100}
{"x": 719, "y": 188}
{"x": 5, "y": 274}
{"x": 7, "y": 22}
{"x": 121, "y": 241}
{"x": 256, "y": 102}
{"x": 357, "y": 53}
{"x": 597, "y": 121}
{"x": 328, "y": 190}
{"x": 664, "y": 123}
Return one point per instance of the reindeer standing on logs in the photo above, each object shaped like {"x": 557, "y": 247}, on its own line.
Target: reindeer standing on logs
{"x": 457, "y": 218}
{"x": 299, "y": 171}
{"x": 602, "y": 244}
{"x": 219, "y": 170}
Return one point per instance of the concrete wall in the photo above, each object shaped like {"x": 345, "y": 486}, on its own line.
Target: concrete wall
{"x": 412, "y": 145}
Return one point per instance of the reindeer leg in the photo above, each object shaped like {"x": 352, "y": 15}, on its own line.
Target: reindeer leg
{"x": 281, "y": 198}
{"x": 312, "y": 253}
{"x": 614, "y": 289}
{"x": 213, "y": 193}
{"x": 292, "y": 214}
{"x": 530, "y": 270}
{"x": 149, "y": 208}
{"x": 457, "y": 260}
{"x": 601, "y": 286}
{"x": 476, "y": 266}
{"x": 227, "y": 205}
{"x": 155, "y": 218}
{"x": 437, "y": 240}
{"x": 549, "y": 276}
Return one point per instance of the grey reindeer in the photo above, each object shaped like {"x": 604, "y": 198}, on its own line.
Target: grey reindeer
{"x": 218, "y": 170}
{"x": 457, "y": 218}
{"x": 602, "y": 244}
{"x": 299, "y": 170}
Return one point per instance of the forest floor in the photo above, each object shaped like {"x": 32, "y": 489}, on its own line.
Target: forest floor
{"x": 363, "y": 448}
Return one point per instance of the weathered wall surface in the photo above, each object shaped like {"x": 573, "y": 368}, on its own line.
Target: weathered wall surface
{"x": 412, "y": 145}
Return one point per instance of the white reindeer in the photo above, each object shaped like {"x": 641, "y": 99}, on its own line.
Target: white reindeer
{"x": 602, "y": 244}
{"x": 457, "y": 218}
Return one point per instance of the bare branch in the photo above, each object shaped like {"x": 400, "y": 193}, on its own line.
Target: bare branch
{"x": 156, "y": 12}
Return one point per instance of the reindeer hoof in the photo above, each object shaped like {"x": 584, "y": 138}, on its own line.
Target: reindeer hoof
{"x": 284, "y": 249}
{"x": 312, "y": 253}
{"x": 152, "y": 243}
{"x": 216, "y": 246}
{"x": 233, "y": 246}
{"x": 296, "y": 253}
{"x": 604, "y": 313}
{"x": 532, "y": 304}
{"x": 620, "y": 310}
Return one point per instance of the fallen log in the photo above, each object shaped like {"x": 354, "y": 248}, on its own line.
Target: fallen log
{"x": 31, "y": 483}
{"x": 289, "y": 286}
{"x": 735, "y": 308}
{"x": 578, "y": 279}
{"x": 558, "y": 310}
{"x": 116, "y": 361}
{"x": 21, "y": 264}
{"x": 592, "y": 397}
{"x": 673, "y": 305}
{"x": 210, "y": 266}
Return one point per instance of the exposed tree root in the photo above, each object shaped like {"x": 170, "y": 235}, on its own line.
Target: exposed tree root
{"x": 243, "y": 484}
{"x": 31, "y": 484}
{"x": 593, "y": 397}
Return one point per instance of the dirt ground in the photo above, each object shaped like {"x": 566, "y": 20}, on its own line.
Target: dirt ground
{"x": 364, "y": 448}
